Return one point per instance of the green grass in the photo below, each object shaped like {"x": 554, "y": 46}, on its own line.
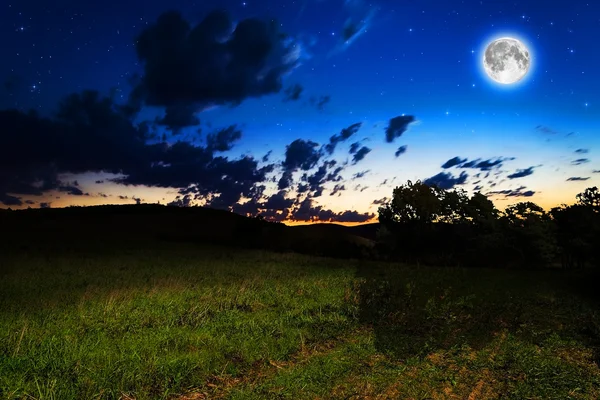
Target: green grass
{"x": 177, "y": 321}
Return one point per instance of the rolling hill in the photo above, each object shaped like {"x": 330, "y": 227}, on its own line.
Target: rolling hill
{"x": 95, "y": 227}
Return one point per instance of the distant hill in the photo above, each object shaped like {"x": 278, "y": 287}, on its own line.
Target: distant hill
{"x": 116, "y": 226}
{"x": 367, "y": 231}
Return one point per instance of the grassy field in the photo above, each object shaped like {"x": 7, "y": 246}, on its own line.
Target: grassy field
{"x": 176, "y": 321}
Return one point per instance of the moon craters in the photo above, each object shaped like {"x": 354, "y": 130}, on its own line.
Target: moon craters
{"x": 506, "y": 60}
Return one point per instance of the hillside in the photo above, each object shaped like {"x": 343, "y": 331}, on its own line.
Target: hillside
{"x": 367, "y": 231}
{"x": 94, "y": 227}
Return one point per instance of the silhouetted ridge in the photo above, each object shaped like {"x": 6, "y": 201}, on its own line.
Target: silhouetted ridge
{"x": 95, "y": 227}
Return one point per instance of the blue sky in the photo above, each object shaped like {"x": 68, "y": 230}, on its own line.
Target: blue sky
{"x": 421, "y": 59}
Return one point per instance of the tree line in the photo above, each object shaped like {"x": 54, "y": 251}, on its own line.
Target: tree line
{"x": 423, "y": 224}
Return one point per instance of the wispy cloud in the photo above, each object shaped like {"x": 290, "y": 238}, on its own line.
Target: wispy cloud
{"x": 361, "y": 16}
{"x": 580, "y": 161}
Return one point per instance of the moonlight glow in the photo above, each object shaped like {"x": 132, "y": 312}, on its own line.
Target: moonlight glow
{"x": 506, "y": 60}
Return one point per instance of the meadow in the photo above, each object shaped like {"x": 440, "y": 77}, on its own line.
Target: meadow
{"x": 186, "y": 321}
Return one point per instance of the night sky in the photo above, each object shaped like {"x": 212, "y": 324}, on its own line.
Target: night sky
{"x": 307, "y": 110}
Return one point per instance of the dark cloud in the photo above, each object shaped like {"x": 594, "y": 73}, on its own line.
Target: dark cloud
{"x": 213, "y": 62}
{"x": 275, "y": 208}
{"x": 484, "y": 165}
{"x": 223, "y": 139}
{"x": 300, "y": 154}
{"x": 518, "y": 192}
{"x": 354, "y": 147}
{"x": 445, "y": 180}
{"x": 72, "y": 190}
{"x": 357, "y": 24}
{"x": 334, "y": 176}
{"x": 520, "y": 173}
{"x": 9, "y": 200}
{"x": 582, "y": 151}
{"x": 381, "y": 202}
{"x": 302, "y": 188}
{"x": 99, "y": 182}
{"x": 96, "y": 136}
{"x": 181, "y": 201}
{"x": 274, "y": 216}
{"x": 306, "y": 212}
{"x": 292, "y": 93}
{"x": 342, "y": 136}
{"x": 349, "y": 131}
{"x": 397, "y": 126}
{"x": 319, "y": 102}
{"x": 278, "y": 202}
{"x": 351, "y": 28}
{"x": 454, "y": 162}
{"x": 578, "y": 178}
{"x": 353, "y": 216}
{"x": 222, "y": 182}
{"x": 401, "y": 150}
{"x": 316, "y": 181}
{"x": 178, "y": 117}
{"x": 45, "y": 205}
{"x": 266, "y": 156}
{"x": 337, "y": 189}
{"x": 580, "y": 161}
{"x": 87, "y": 134}
{"x": 360, "y": 174}
{"x": 360, "y": 154}
{"x": 91, "y": 134}
{"x": 596, "y": 171}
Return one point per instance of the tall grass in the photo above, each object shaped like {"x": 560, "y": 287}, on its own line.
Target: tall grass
{"x": 171, "y": 320}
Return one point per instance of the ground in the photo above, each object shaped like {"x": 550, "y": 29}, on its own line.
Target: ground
{"x": 185, "y": 321}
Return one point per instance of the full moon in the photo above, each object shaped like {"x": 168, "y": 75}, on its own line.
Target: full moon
{"x": 506, "y": 60}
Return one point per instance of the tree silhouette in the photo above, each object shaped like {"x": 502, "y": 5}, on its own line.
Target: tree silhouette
{"x": 578, "y": 230}
{"x": 412, "y": 203}
{"x": 590, "y": 198}
{"x": 426, "y": 224}
{"x": 531, "y": 233}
